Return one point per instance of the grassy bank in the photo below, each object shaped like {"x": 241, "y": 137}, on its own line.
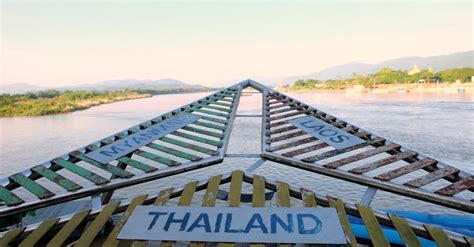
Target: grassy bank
{"x": 55, "y": 102}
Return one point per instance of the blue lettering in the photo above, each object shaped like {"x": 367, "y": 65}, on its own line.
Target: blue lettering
{"x": 171, "y": 220}
{"x": 228, "y": 223}
{"x": 138, "y": 139}
{"x": 113, "y": 150}
{"x": 274, "y": 219}
{"x": 204, "y": 217}
{"x": 125, "y": 143}
{"x": 218, "y": 223}
{"x": 301, "y": 225}
{"x": 155, "y": 218}
{"x": 251, "y": 224}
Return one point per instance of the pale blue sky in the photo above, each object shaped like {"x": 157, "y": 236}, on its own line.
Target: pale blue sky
{"x": 66, "y": 43}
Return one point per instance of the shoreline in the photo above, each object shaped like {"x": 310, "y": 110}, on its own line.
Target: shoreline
{"x": 413, "y": 88}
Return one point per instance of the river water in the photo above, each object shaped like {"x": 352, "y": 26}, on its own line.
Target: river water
{"x": 439, "y": 125}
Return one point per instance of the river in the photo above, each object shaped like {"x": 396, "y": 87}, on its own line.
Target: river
{"x": 439, "y": 125}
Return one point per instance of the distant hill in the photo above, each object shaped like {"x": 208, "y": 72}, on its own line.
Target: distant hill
{"x": 441, "y": 62}
{"x": 110, "y": 85}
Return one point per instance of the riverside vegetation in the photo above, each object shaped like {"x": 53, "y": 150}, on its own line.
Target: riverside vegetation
{"x": 55, "y": 102}
{"x": 387, "y": 76}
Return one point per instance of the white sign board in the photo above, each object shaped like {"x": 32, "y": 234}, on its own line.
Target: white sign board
{"x": 331, "y": 135}
{"x": 139, "y": 139}
{"x": 227, "y": 224}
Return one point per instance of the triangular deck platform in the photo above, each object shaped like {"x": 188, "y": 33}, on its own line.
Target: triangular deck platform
{"x": 204, "y": 142}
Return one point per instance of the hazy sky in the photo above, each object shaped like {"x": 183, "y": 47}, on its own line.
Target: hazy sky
{"x": 65, "y": 43}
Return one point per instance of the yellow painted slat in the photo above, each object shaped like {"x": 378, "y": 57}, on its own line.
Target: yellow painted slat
{"x": 67, "y": 229}
{"x": 209, "y": 198}
{"x": 346, "y": 225}
{"x": 439, "y": 236}
{"x": 235, "y": 188}
{"x": 112, "y": 238}
{"x": 10, "y": 235}
{"x": 38, "y": 233}
{"x": 160, "y": 200}
{"x": 309, "y": 199}
{"x": 258, "y": 193}
{"x": 405, "y": 231}
{"x": 188, "y": 193}
{"x": 94, "y": 228}
{"x": 283, "y": 195}
{"x": 373, "y": 227}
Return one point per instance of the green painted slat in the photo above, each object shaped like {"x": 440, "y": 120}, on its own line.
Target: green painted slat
{"x": 194, "y": 109}
{"x": 137, "y": 164}
{"x": 106, "y": 167}
{"x": 10, "y": 235}
{"x": 56, "y": 178}
{"x": 38, "y": 233}
{"x": 9, "y": 198}
{"x": 30, "y": 185}
{"x": 189, "y": 146}
{"x": 197, "y": 138}
{"x": 439, "y": 236}
{"x": 63, "y": 234}
{"x": 174, "y": 152}
{"x": 221, "y": 99}
{"x": 373, "y": 227}
{"x": 96, "y": 179}
{"x": 216, "y": 120}
{"x": 405, "y": 232}
{"x": 204, "y": 132}
{"x": 216, "y": 103}
{"x": 209, "y": 125}
{"x": 157, "y": 158}
{"x": 216, "y": 108}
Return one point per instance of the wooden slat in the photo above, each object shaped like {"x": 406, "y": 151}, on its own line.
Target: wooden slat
{"x": 383, "y": 162}
{"x": 341, "y": 151}
{"x": 174, "y": 152}
{"x": 189, "y": 146}
{"x": 405, "y": 231}
{"x": 106, "y": 167}
{"x": 292, "y": 144}
{"x": 198, "y": 139}
{"x": 112, "y": 238}
{"x": 9, "y": 198}
{"x": 280, "y": 123}
{"x": 96, "y": 179}
{"x": 235, "y": 189}
{"x": 33, "y": 187}
{"x": 305, "y": 150}
{"x": 209, "y": 198}
{"x": 431, "y": 177}
{"x": 360, "y": 156}
{"x": 94, "y": 228}
{"x": 291, "y": 114}
{"x": 281, "y": 130}
{"x": 346, "y": 225}
{"x": 286, "y": 137}
{"x": 439, "y": 236}
{"x": 38, "y": 233}
{"x": 283, "y": 195}
{"x": 8, "y": 237}
{"x": 56, "y": 178}
{"x": 457, "y": 187}
{"x": 66, "y": 230}
{"x": 373, "y": 227}
{"x": 387, "y": 176}
{"x": 137, "y": 164}
{"x": 258, "y": 195}
{"x": 188, "y": 193}
{"x": 157, "y": 158}
{"x": 308, "y": 197}
{"x": 204, "y": 132}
